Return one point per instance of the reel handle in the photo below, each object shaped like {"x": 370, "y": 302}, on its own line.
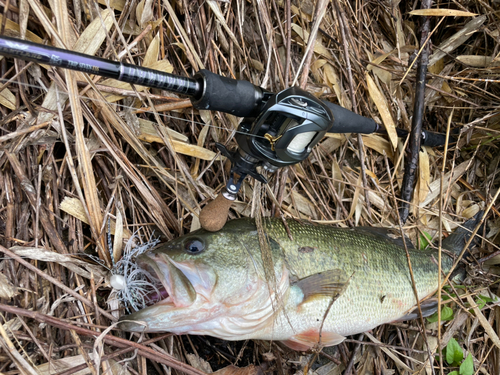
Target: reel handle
{"x": 214, "y": 215}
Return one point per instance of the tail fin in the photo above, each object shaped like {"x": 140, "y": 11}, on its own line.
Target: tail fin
{"x": 456, "y": 241}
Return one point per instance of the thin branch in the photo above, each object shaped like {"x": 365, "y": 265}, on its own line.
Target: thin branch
{"x": 411, "y": 167}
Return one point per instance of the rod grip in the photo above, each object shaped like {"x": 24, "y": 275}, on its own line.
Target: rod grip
{"x": 214, "y": 215}
{"x": 432, "y": 139}
{"x": 346, "y": 121}
{"x": 236, "y": 97}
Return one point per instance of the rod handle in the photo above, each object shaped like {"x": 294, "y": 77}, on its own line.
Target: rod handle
{"x": 236, "y": 97}
{"x": 214, "y": 215}
{"x": 345, "y": 121}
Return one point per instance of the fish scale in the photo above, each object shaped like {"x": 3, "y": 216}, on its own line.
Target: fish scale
{"x": 380, "y": 288}
{"x": 360, "y": 276}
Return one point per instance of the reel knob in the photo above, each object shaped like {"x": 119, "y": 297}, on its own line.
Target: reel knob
{"x": 214, "y": 215}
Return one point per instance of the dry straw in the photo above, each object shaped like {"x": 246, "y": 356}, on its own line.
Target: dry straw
{"x": 79, "y": 152}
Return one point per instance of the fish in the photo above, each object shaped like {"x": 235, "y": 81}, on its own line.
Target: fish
{"x": 318, "y": 284}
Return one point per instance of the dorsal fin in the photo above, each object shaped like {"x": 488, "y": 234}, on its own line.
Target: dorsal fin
{"x": 388, "y": 234}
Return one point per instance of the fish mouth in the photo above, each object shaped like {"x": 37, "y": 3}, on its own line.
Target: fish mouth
{"x": 175, "y": 286}
{"x": 159, "y": 291}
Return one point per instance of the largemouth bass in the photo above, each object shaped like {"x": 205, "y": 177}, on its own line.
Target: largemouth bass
{"x": 325, "y": 284}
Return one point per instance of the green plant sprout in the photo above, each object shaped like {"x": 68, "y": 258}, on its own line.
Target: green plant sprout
{"x": 446, "y": 315}
{"x": 425, "y": 240}
{"x": 455, "y": 357}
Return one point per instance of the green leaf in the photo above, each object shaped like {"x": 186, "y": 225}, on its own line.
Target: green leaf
{"x": 486, "y": 298}
{"x": 433, "y": 318}
{"x": 425, "y": 239}
{"x": 446, "y": 314}
{"x": 482, "y": 301}
{"x": 467, "y": 366}
{"x": 454, "y": 353}
{"x": 453, "y": 373}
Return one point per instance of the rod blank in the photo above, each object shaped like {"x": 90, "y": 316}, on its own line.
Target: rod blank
{"x": 42, "y": 54}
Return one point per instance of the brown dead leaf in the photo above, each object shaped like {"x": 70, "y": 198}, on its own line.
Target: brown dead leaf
{"x": 80, "y": 267}
{"x": 449, "y": 178}
{"x": 315, "y": 69}
{"x": 334, "y": 82}
{"x": 490, "y": 331}
{"x": 193, "y": 150}
{"x": 383, "y": 108}
{"x": 338, "y": 180}
{"x": 220, "y": 17}
{"x": 114, "y": 4}
{"x": 457, "y": 39}
{"x": 384, "y": 75}
{"x": 118, "y": 240}
{"x": 379, "y": 144}
{"x": 303, "y": 204}
{"x": 93, "y": 36}
{"x": 476, "y": 61}
{"x": 298, "y": 12}
{"x": 64, "y": 364}
{"x": 199, "y": 363}
{"x": 144, "y": 12}
{"x": 7, "y": 290}
{"x": 149, "y": 134}
{"x": 257, "y": 65}
{"x": 201, "y": 140}
{"x": 12, "y": 29}
{"x": 152, "y": 53}
{"x": 424, "y": 174}
{"x": 233, "y": 370}
{"x": 7, "y": 99}
{"x": 442, "y": 13}
{"x": 471, "y": 211}
{"x": 319, "y": 48}
{"x": 357, "y": 198}
{"x": 379, "y": 59}
{"x": 74, "y": 207}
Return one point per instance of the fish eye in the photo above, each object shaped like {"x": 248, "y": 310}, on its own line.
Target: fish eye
{"x": 194, "y": 246}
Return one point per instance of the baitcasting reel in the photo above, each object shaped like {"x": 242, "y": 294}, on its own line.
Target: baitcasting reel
{"x": 291, "y": 123}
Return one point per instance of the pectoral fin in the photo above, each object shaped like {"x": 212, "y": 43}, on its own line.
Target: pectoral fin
{"x": 309, "y": 339}
{"x": 330, "y": 284}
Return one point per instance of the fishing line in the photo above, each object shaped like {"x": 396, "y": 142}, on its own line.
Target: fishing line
{"x": 133, "y": 109}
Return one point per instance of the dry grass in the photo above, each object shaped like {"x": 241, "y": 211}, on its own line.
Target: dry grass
{"x": 144, "y": 161}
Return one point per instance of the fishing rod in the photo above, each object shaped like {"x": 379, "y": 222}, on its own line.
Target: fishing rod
{"x": 277, "y": 130}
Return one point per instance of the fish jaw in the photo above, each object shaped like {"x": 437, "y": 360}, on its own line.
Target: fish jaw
{"x": 201, "y": 277}
{"x": 186, "y": 287}
{"x": 166, "y": 317}
{"x": 247, "y": 313}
